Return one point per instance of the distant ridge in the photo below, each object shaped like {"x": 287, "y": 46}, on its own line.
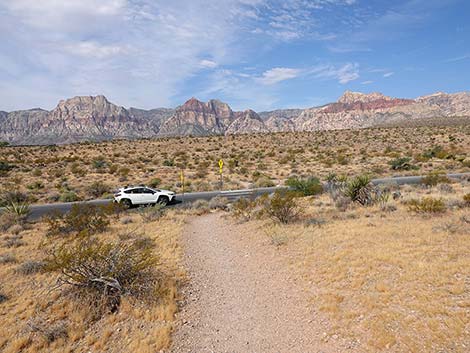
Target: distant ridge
{"x": 94, "y": 118}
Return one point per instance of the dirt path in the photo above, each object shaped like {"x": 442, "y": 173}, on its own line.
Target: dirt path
{"x": 242, "y": 298}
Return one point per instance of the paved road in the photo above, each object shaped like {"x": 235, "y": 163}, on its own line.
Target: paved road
{"x": 41, "y": 210}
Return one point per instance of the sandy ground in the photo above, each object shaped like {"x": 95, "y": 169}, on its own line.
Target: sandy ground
{"x": 242, "y": 297}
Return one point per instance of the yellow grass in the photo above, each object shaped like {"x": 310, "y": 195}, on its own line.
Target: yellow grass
{"x": 388, "y": 281}
{"x": 137, "y": 327}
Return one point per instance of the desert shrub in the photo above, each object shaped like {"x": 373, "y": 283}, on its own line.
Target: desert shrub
{"x": 5, "y": 167}
{"x": 151, "y": 214}
{"x": 68, "y": 196}
{"x": 7, "y": 259}
{"x": 402, "y": 163}
{"x": 13, "y": 241}
{"x": 218, "y": 202}
{"x": 264, "y": 182}
{"x": 360, "y": 190}
{"x": 81, "y": 220}
{"x": 434, "y": 178}
{"x": 201, "y": 206}
{"x": 3, "y": 297}
{"x": 155, "y": 182}
{"x": 98, "y": 189}
{"x": 283, "y": 207}
{"x": 306, "y": 187}
{"x": 466, "y": 199}
{"x": 99, "y": 163}
{"x": 243, "y": 209}
{"x": 101, "y": 272}
{"x": 278, "y": 239}
{"x": 427, "y": 205}
{"x": 4, "y": 143}
{"x": 13, "y": 197}
{"x": 169, "y": 163}
{"x": 30, "y": 267}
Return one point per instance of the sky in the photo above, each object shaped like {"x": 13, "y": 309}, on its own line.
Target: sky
{"x": 258, "y": 54}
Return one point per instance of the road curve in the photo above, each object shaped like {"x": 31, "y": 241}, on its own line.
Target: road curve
{"x": 37, "y": 211}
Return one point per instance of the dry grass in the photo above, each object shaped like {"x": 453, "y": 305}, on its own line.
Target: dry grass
{"x": 89, "y": 170}
{"x": 36, "y": 319}
{"x": 388, "y": 281}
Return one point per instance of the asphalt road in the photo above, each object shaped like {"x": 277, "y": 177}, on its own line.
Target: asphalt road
{"x": 37, "y": 211}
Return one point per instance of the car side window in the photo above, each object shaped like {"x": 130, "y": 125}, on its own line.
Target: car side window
{"x": 148, "y": 191}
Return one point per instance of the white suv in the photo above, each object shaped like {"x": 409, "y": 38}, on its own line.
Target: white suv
{"x": 142, "y": 195}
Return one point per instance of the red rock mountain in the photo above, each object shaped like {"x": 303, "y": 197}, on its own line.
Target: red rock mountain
{"x": 95, "y": 118}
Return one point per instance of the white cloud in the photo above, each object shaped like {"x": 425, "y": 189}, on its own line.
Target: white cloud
{"x": 143, "y": 52}
{"x": 388, "y": 74}
{"x": 208, "y": 64}
{"x": 367, "y": 82}
{"x": 94, "y": 49}
{"x": 278, "y": 74}
{"x": 344, "y": 74}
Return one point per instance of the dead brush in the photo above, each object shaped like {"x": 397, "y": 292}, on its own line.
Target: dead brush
{"x": 101, "y": 272}
{"x": 50, "y": 332}
{"x": 152, "y": 214}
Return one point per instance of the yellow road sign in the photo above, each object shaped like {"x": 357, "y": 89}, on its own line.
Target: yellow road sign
{"x": 221, "y": 164}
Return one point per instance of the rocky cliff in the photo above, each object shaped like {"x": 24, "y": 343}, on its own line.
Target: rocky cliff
{"x": 95, "y": 118}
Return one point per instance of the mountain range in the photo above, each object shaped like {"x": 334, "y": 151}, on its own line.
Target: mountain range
{"x": 94, "y": 118}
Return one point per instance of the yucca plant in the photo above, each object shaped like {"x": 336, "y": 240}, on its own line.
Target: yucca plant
{"x": 19, "y": 209}
{"x": 360, "y": 190}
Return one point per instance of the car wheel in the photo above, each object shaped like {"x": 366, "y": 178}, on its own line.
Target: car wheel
{"x": 163, "y": 200}
{"x": 126, "y": 203}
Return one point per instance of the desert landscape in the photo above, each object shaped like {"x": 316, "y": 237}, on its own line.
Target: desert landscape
{"x": 234, "y": 176}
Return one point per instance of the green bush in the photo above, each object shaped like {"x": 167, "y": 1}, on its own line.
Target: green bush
{"x": 5, "y": 168}
{"x": 427, "y": 205}
{"x": 306, "y": 187}
{"x": 98, "y": 189}
{"x": 155, "y": 182}
{"x": 283, "y": 207}
{"x": 82, "y": 220}
{"x": 434, "y": 178}
{"x": 402, "y": 163}
{"x": 466, "y": 199}
{"x": 68, "y": 196}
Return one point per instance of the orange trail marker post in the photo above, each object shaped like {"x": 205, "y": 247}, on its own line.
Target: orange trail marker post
{"x": 221, "y": 165}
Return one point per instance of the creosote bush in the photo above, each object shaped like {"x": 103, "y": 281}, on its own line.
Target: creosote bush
{"x": 434, "y": 178}
{"x": 466, "y": 199}
{"x": 306, "y": 187}
{"x": 81, "y": 220}
{"x": 427, "y": 205}
{"x": 101, "y": 272}
{"x": 243, "y": 209}
{"x": 283, "y": 207}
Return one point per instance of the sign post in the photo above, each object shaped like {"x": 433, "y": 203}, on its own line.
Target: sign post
{"x": 221, "y": 165}
{"x": 182, "y": 184}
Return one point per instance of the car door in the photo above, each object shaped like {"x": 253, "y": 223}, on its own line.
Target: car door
{"x": 137, "y": 196}
{"x": 148, "y": 196}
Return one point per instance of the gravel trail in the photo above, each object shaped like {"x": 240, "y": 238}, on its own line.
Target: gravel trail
{"x": 241, "y": 296}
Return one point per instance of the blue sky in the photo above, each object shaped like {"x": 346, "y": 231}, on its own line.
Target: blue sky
{"x": 259, "y": 54}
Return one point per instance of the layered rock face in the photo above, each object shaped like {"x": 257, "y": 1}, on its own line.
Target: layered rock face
{"x": 75, "y": 119}
{"x": 245, "y": 123}
{"x": 198, "y": 118}
{"x": 95, "y": 118}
